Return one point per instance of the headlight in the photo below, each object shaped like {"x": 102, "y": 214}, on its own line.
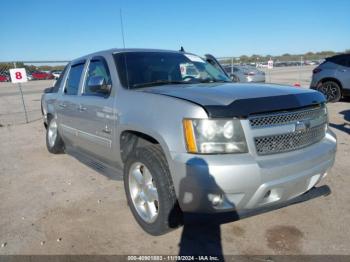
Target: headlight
{"x": 208, "y": 136}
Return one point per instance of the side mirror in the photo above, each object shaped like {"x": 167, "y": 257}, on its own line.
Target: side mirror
{"x": 98, "y": 84}
{"x": 48, "y": 90}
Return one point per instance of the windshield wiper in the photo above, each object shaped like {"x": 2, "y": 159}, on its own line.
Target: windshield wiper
{"x": 159, "y": 83}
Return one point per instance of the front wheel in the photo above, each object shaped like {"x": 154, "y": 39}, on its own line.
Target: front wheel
{"x": 331, "y": 91}
{"x": 54, "y": 142}
{"x": 234, "y": 78}
{"x": 150, "y": 192}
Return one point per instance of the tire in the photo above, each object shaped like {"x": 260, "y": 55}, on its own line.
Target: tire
{"x": 331, "y": 91}
{"x": 54, "y": 143}
{"x": 234, "y": 78}
{"x": 168, "y": 214}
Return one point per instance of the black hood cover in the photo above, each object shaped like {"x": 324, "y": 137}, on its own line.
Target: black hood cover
{"x": 241, "y": 100}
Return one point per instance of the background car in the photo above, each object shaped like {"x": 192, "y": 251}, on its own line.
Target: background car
{"x": 29, "y": 76}
{"x": 56, "y": 73}
{"x": 4, "y": 77}
{"x": 245, "y": 74}
{"x": 332, "y": 77}
{"x": 39, "y": 75}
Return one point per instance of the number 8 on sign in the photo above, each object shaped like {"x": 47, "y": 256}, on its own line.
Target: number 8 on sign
{"x": 18, "y": 75}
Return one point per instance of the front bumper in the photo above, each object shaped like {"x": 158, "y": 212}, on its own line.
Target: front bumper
{"x": 217, "y": 183}
{"x": 256, "y": 79}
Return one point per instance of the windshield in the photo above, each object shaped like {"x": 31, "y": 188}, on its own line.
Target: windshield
{"x": 143, "y": 69}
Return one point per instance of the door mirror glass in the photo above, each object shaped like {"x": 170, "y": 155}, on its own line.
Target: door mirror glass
{"x": 97, "y": 84}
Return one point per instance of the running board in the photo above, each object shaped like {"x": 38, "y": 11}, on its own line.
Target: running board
{"x": 104, "y": 169}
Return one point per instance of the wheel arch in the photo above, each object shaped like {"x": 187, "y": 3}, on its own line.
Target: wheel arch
{"x": 330, "y": 79}
{"x": 130, "y": 139}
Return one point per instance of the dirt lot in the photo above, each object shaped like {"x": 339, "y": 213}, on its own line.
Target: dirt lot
{"x": 53, "y": 204}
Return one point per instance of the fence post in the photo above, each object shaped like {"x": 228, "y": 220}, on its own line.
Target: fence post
{"x": 231, "y": 65}
{"x": 24, "y": 105}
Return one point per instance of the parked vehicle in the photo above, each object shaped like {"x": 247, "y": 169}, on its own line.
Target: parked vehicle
{"x": 4, "y": 78}
{"x": 40, "y": 75}
{"x": 245, "y": 74}
{"x": 187, "y": 143}
{"x": 56, "y": 73}
{"x": 29, "y": 76}
{"x": 332, "y": 77}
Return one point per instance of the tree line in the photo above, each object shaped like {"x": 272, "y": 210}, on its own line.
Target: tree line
{"x": 309, "y": 56}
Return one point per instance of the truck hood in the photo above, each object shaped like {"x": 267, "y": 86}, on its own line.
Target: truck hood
{"x": 241, "y": 100}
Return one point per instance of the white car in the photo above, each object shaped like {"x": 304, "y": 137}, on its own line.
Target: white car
{"x": 56, "y": 73}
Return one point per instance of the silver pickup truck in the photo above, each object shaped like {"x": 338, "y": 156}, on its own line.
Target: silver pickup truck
{"x": 188, "y": 140}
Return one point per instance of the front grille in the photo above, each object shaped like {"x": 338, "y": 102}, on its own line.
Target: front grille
{"x": 309, "y": 128}
{"x": 286, "y": 118}
{"x": 290, "y": 141}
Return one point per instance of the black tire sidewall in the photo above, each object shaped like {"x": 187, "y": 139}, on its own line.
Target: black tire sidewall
{"x": 234, "y": 79}
{"x": 338, "y": 91}
{"x": 166, "y": 194}
{"x": 58, "y": 147}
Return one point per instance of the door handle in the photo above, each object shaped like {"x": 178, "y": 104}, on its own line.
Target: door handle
{"x": 82, "y": 108}
{"x": 62, "y": 105}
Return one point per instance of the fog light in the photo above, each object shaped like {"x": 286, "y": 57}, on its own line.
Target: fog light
{"x": 216, "y": 200}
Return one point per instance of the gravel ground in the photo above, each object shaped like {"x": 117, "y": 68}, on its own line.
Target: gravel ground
{"x": 54, "y": 204}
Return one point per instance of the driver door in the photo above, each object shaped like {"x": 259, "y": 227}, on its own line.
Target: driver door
{"x": 96, "y": 113}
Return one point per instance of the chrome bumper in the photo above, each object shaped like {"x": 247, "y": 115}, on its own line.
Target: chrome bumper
{"x": 217, "y": 183}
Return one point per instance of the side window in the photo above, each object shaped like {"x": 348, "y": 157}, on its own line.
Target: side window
{"x": 188, "y": 70}
{"x": 342, "y": 61}
{"x": 59, "y": 81}
{"x": 347, "y": 63}
{"x": 98, "y": 68}
{"x": 72, "y": 84}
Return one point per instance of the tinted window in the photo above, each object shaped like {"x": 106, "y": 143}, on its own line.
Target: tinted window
{"x": 72, "y": 85}
{"x": 58, "y": 81}
{"x": 97, "y": 68}
{"x": 343, "y": 60}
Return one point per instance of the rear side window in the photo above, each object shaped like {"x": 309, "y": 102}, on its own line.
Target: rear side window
{"x": 59, "y": 81}
{"x": 343, "y": 60}
{"x": 97, "y": 68}
{"x": 72, "y": 85}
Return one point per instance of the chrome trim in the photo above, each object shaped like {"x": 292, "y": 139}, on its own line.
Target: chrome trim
{"x": 88, "y": 136}
{"x": 285, "y": 118}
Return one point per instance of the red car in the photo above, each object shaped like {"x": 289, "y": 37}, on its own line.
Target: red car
{"x": 4, "y": 78}
{"x": 42, "y": 75}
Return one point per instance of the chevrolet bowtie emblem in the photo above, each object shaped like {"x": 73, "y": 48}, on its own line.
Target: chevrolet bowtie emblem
{"x": 301, "y": 126}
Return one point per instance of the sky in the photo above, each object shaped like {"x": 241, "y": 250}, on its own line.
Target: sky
{"x": 67, "y": 29}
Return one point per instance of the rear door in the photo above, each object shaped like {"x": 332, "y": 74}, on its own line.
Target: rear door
{"x": 96, "y": 114}
{"x": 67, "y": 104}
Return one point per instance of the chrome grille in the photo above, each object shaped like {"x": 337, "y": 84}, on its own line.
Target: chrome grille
{"x": 308, "y": 126}
{"x": 289, "y": 141}
{"x": 286, "y": 118}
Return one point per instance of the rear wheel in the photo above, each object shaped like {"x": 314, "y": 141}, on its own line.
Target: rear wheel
{"x": 331, "y": 91}
{"x": 150, "y": 192}
{"x": 54, "y": 142}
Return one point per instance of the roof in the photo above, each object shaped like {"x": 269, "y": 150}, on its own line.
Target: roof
{"x": 122, "y": 50}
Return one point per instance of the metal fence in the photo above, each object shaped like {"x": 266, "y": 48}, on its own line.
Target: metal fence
{"x": 42, "y": 74}
{"x": 22, "y": 103}
{"x": 297, "y": 73}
